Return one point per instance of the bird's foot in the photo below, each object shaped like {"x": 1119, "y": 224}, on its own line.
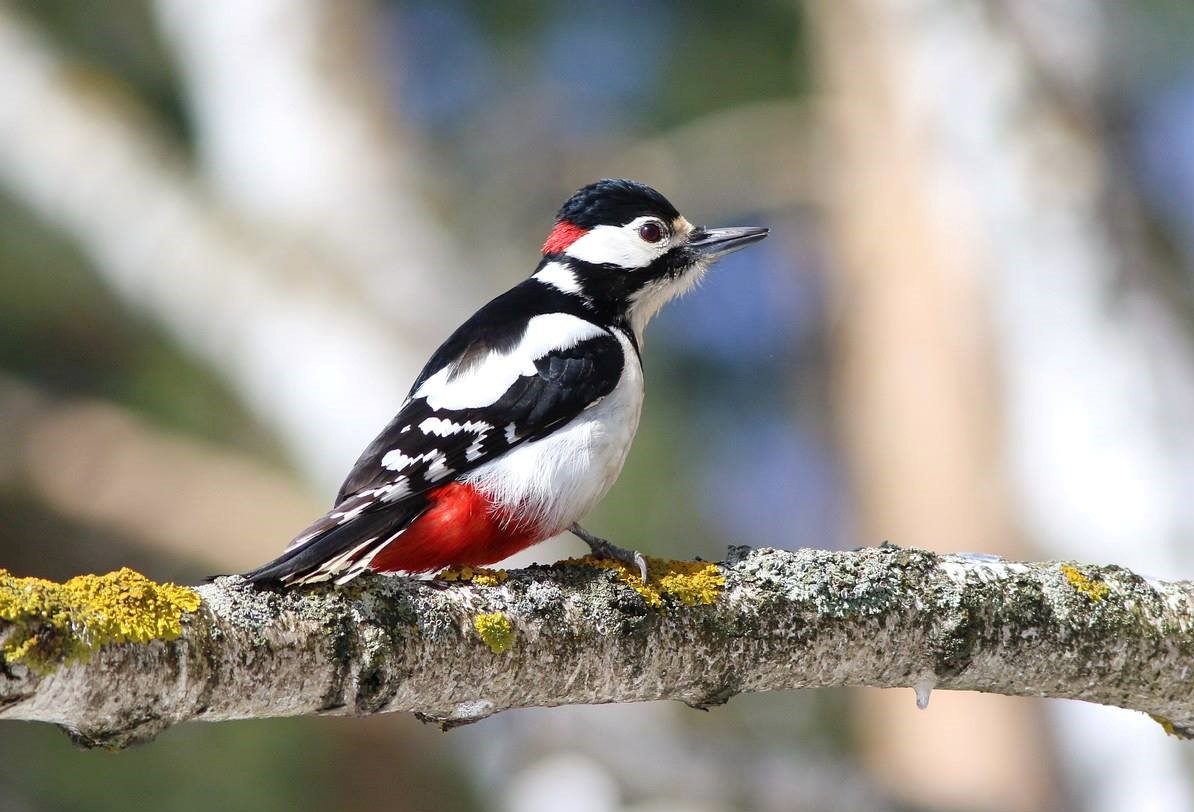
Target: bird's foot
{"x": 605, "y": 549}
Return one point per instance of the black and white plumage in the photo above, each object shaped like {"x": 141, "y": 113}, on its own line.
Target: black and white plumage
{"x": 520, "y": 422}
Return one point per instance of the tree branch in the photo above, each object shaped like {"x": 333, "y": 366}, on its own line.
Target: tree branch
{"x": 577, "y": 632}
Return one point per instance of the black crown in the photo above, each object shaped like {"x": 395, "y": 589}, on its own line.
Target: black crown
{"x": 615, "y": 202}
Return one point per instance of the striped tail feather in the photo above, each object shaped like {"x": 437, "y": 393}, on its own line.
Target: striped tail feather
{"x": 335, "y": 549}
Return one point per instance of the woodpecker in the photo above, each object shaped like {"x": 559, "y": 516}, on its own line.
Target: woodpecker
{"x": 520, "y": 422}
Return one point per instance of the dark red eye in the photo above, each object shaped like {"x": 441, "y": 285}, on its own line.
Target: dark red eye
{"x": 651, "y": 232}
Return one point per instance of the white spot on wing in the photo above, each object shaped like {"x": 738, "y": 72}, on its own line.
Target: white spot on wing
{"x": 438, "y": 469}
{"x": 399, "y": 489}
{"x": 346, "y": 516}
{"x": 395, "y": 460}
{"x": 446, "y": 428}
{"x": 473, "y": 452}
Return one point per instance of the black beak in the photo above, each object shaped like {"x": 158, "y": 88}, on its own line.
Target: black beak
{"x": 711, "y": 243}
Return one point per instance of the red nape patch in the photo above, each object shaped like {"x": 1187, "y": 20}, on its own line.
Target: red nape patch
{"x": 460, "y": 529}
{"x": 562, "y": 236}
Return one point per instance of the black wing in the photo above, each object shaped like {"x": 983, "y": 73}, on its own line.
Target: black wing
{"x": 445, "y": 444}
{"x": 423, "y": 447}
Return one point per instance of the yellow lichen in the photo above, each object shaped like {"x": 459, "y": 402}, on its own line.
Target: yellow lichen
{"x": 52, "y": 622}
{"x": 496, "y": 630}
{"x": 1166, "y": 725}
{"x": 483, "y": 577}
{"x": 479, "y": 576}
{"x": 692, "y": 583}
{"x": 1091, "y": 587}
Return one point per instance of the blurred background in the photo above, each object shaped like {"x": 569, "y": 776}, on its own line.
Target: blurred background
{"x": 231, "y": 232}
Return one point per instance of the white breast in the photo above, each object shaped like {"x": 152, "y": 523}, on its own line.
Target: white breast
{"x": 563, "y": 476}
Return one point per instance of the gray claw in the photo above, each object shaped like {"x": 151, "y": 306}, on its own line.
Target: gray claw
{"x": 604, "y": 549}
{"x": 641, "y": 560}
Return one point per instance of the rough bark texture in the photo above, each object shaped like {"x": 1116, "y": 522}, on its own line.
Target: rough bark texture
{"x": 577, "y": 633}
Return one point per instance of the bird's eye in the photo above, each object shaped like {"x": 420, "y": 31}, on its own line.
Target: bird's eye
{"x": 651, "y": 232}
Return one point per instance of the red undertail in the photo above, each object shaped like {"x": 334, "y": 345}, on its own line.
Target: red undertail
{"x": 461, "y": 528}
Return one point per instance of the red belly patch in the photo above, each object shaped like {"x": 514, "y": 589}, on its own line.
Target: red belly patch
{"x": 461, "y": 528}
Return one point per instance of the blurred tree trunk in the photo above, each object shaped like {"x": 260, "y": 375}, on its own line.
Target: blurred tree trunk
{"x": 993, "y": 326}
{"x": 916, "y": 397}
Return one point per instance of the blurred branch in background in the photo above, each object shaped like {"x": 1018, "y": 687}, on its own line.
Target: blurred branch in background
{"x": 307, "y": 195}
{"x": 103, "y": 466}
{"x": 298, "y": 138}
{"x": 778, "y": 172}
{"x": 766, "y": 620}
{"x": 284, "y": 327}
{"x": 297, "y": 256}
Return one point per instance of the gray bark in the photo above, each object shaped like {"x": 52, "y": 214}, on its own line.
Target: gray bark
{"x": 885, "y": 617}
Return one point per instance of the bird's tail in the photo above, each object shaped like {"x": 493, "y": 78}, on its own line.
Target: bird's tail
{"x": 333, "y": 549}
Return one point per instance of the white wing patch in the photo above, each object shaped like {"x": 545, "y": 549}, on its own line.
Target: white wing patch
{"x": 487, "y": 380}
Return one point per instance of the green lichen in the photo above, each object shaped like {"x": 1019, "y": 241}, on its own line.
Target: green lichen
{"x": 1093, "y": 588}
{"x": 46, "y": 623}
{"x": 693, "y": 583}
{"x": 496, "y": 630}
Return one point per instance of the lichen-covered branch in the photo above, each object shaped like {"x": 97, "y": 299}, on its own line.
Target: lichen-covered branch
{"x": 115, "y": 659}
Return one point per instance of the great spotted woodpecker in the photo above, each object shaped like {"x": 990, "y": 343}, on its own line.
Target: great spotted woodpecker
{"x": 521, "y": 421}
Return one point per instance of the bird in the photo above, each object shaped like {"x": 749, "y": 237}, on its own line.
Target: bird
{"x": 521, "y": 421}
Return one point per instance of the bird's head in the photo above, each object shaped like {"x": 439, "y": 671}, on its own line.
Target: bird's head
{"x": 624, "y": 249}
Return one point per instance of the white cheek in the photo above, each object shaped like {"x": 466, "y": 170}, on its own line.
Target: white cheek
{"x": 617, "y": 245}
